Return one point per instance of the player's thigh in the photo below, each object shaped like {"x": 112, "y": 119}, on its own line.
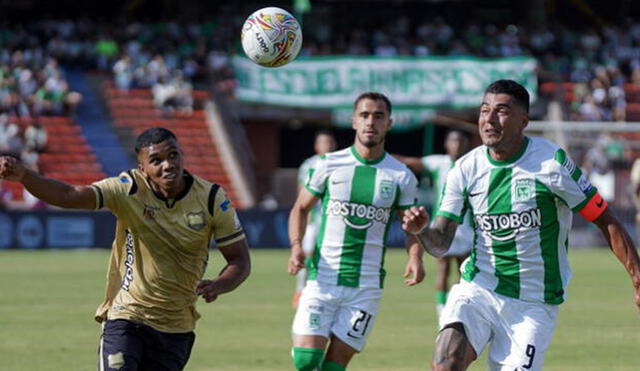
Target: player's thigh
{"x": 356, "y": 316}
{"x": 167, "y": 352}
{"x": 316, "y": 310}
{"x": 522, "y": 336}
{"x": 121, "y": 346}
{"x": 470, "y": 306}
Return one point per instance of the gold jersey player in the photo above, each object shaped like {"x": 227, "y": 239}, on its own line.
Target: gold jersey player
{"x": 166, "y": 218}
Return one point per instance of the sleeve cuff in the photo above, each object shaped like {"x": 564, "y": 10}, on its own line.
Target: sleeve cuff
{"x": 313, "y": 191}
{"x": 449, "y": 215}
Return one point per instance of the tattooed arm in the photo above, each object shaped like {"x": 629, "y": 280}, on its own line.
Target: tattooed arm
{"x": 435, "y": 239}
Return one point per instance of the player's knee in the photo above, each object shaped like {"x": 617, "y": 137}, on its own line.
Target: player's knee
{"x": 453, "y": 350}
{"x": 307, "y": 359}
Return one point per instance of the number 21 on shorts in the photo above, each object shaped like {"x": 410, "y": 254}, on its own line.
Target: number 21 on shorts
{"x": 360, "y": 325}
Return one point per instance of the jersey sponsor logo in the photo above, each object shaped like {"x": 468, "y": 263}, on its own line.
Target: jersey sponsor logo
{"x": 386, "y": 188}
{"x": 358, "y": 216}
{"x": 195, "y": 220}
{"x": 128, "y": 263}
{"x": 149, "y": 212}
{"x": 505, "y": 227}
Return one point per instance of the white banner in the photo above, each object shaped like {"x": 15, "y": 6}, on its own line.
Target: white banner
{"x": 332, "y": 82}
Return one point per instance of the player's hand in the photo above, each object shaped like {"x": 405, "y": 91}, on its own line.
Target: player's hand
{"x": 296, "y": 260}
{"x": 208, "y": 289}
{"x": 415, "y": 219}
{"x": 414, "y": 271}
{"x": 11, "y": 169}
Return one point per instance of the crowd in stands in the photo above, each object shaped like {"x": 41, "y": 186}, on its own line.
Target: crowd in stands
{"x": 598, "y": 62}
{"x": 594, "y": 71}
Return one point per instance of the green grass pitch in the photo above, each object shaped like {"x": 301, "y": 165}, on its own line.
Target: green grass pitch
{"x": 47, "y": 301}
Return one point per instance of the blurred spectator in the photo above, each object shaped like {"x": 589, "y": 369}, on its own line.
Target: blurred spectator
{"x": 35, "y": 137}
{"x": 173, "y": 94}
{"x": 10, "y": 141}
{"x": 123, "y": 73}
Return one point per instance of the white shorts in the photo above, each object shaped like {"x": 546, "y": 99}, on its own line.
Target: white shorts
{"x": 348, "y": 313}
{"x": 519, "y": 331}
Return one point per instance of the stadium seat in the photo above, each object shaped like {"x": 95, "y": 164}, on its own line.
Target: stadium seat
{"x": 135, "y": 110}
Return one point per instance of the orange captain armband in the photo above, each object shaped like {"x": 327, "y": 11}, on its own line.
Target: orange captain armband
{"x": 594, "y": 208}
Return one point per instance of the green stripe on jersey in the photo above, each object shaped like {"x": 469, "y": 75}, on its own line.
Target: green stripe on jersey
{"x": 315, "y": 259}
{"x": 549, "y": 233}
{"x": 507, "y": 268}
{"x": 362, "y": 189}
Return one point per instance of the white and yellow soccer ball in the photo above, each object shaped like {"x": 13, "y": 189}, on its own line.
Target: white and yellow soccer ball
{"x": 271, "y": 37}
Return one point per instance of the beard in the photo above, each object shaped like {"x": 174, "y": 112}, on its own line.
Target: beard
{"x": 370, "y": 142}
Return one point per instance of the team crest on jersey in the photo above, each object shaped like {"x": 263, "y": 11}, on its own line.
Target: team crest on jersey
{"x": 524, "y": 190}
{"x": 149, "y": 212}
{"x": 386, "y": 188}
{"x": 195, "y": 220}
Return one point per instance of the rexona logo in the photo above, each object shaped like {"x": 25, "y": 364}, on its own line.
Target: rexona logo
{"x": 358, "y": 216}
{"x": 505, "y": 227}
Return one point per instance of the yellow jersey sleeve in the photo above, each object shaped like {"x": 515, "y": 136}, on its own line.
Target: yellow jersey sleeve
{"x": 226, "y": 225}
{"x": 110, "y": 191}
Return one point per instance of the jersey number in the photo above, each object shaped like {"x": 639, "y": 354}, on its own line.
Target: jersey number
{"x": 530, "y": 352}
{"x": 361, "y": 323}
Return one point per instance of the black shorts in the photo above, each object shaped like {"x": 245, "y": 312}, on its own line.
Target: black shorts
{"x": 131, "y": 346}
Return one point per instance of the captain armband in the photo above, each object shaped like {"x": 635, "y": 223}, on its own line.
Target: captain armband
{"x": 594, "y": 208}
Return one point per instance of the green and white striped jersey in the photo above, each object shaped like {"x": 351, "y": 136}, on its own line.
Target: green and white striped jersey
{"x": 522, "y": 214}
{"x": 438, "y": 167}
{"x": 304, "y": 173}
{"x": 359, "y": 200}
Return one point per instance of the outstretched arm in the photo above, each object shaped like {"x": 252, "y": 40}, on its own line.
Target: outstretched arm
{"x": 297, "y": 225}
{"x": 622, "y": 246}
{"x": 436, "y": 239}
{"x": 232, "y": 275}
{"x": 49, "y": 190}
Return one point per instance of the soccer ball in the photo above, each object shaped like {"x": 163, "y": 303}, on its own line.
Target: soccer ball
{"x": 271, "y": 37}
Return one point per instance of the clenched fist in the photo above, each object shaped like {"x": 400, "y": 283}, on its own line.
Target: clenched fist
{"x": 11, "y": 169}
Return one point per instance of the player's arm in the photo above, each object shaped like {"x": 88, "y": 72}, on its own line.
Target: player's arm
{"x": 435, "y": 239}
{"x": 49, "y": 190}
{"x": 622, "y": 246}
{"x": 297, "y": 224}
{"x": 232, "y": 275}
{"x": 414, "y": 271}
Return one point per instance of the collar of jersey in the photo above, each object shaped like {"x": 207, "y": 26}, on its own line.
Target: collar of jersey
{"x": 365, "y": 161}
{"x": 170, "y": 202}
{"x": 511, "y": 159}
